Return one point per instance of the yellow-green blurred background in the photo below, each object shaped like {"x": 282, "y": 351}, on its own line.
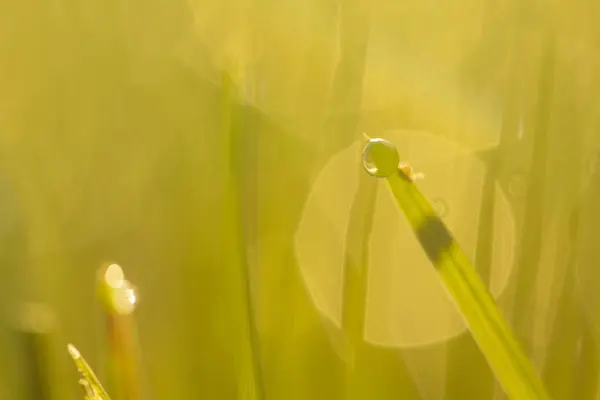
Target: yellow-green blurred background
{"x": 212, "y": 148}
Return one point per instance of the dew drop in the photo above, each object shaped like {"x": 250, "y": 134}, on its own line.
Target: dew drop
{"x": 114, "y": 276}
{"x": 380, "y": 158}
{"x": 124, "y": 299}
{"x": 73, "y": 351}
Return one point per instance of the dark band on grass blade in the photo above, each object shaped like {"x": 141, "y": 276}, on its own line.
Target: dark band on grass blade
{"x": 434, "y": 237}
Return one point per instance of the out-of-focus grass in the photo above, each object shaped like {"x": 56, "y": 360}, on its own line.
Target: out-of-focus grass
{"x": 36, "y": 335}
{"x": 368, "y": 368}
{"x": 115, "y": 147}
{"x": 120, "y": 298}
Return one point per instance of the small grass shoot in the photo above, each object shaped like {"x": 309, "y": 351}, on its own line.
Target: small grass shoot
{"x": 91, "y": 385}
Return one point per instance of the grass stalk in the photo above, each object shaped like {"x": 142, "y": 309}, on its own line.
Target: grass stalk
{"x": 120, "y": 299}
{"x": 249, "y": 373}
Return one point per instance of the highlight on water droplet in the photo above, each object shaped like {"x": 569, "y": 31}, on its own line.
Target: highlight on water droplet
{"x": 118, "y": 293}
{"x": 380, "y": 158}
{"x": 124, "y": 299}
{"x": 73, "y": 351}
{"x": 114, "y": 276}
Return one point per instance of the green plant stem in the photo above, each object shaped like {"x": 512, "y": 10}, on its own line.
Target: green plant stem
{"x": 122, "y": 338}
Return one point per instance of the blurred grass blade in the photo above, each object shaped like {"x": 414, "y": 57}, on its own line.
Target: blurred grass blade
{"x": 249, "y": 373}
{"x": 371, "y": 371}
{"x": 464, "y": 362}
{"x": 120, "y": 299}
{"x": 355, "y": 264}
{"x": 90, "y": 382}
{"x": 486, "y": 323}
{"x": 537, "y": 197}
{"x": 37, "y": 324}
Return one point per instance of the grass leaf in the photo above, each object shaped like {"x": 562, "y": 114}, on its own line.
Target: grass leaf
{"x": 92, "y": 386}
{"x": 484, "y": 319}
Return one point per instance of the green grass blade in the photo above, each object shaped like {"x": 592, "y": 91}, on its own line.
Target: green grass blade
{"x": 486, "y": 323}
{"x": 90, "y": 382}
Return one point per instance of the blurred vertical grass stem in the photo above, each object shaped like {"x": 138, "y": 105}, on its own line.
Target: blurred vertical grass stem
{"x": 484, "y": 319}
{"x": 119, "y": 298}
{"x": 249, "y": 375}
{"x": 37, "y": 325}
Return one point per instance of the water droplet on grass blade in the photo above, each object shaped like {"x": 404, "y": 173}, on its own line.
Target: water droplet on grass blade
{"x": 119, "y": 295}
{"x": 114, "y": 276}
{"x": 73, "y": 351}
{"x": 380, "y": 158}
{"x": 124, "y": 299}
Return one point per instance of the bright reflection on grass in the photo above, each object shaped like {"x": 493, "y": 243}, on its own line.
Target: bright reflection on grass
{"x": 121, "y": 294}
{"x": 405, "y": 304}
